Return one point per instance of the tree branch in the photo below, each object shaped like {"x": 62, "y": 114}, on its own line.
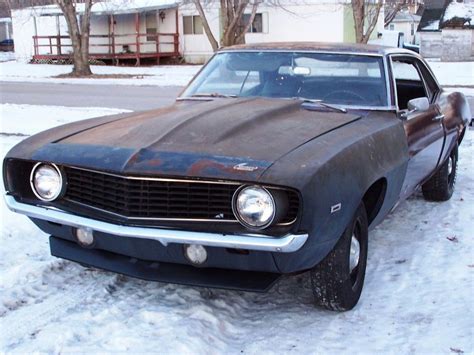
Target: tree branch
{"x": 205, "y": 25}
{"x": 241, "y": 36}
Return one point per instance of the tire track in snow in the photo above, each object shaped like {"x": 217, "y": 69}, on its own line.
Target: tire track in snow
{"x": 66, "y": 292}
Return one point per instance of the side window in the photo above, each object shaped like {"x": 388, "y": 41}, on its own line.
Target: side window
{"x": 257, "y": 24}
{"x": 430, "y": 82}
{"x": 408, "y": 81}
{"x": 151, "y": 26}
{"x": 192, "y": 25}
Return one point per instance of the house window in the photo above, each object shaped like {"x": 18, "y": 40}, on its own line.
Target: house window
{"x": 151, "y": 26}
{"x": 257, "y": 24}
{"x": 192, "y": 25}
{"x": 412, "y": 29}
{"x": 392, "y": 27}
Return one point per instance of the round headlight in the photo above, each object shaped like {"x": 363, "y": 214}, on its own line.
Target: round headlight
{"x": 254, "y": 207}
{"x": 46, "y": 181}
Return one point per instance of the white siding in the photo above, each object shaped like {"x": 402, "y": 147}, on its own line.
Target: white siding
{"x": 319, "y": 21}
{"x": 448, "y": 44}
{"x": 405, "y": 28}
{"x": 309, "y": 20}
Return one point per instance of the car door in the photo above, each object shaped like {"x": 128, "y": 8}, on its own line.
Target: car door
{"x": 422, "y": 120}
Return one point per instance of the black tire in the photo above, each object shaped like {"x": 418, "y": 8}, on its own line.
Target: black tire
{"x": 335, "y": 286}
{"x": 440, "y": 186}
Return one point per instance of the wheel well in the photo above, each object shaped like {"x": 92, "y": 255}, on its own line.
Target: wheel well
{"x": 374, "y": 197}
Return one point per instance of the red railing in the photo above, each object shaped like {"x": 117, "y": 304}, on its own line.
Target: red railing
{"x": 116, "y": 46}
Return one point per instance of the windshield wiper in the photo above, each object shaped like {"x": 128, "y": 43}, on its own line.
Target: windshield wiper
{"x": 322, "y": 103}
{"x": 214, "y": 94}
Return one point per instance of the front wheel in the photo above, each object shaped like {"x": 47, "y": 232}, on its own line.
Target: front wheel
{"x": 337, "y": 281}
{"x": 440, "y": 186}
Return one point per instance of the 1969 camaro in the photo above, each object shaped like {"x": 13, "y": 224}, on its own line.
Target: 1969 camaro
{"x": 276, "y": 159}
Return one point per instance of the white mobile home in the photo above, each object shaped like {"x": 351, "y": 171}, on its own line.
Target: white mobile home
{"x": 291, "y": 20}
{"x": 120, "y": 30}
{"x": 144, "y": 29}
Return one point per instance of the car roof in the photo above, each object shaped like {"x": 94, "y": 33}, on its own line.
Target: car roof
{"x": 353, "y": 48}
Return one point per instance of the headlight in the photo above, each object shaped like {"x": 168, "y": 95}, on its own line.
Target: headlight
{"x": 254, "y": 207}
{"x": 46, "y": 181}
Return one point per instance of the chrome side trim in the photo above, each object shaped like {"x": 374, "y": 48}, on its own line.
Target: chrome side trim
{"x": 286, "y": 244}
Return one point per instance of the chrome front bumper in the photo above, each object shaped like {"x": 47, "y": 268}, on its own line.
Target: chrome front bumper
{"x": 285, "y": 244}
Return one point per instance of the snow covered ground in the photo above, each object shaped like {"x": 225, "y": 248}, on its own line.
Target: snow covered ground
{"x": 31, "y": 119}
{"x": 454, "y": 73}
{"x": 44, "y": 73}
{"x": 418, "y": 296}
{"x": 7, "y": 56}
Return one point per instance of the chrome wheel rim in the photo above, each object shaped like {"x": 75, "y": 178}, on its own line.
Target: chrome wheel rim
{"x": 450, "y": 165}
{"x": 354, "y": 254}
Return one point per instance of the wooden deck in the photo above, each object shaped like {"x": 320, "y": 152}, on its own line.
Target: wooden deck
{"x": 111, "y": 47}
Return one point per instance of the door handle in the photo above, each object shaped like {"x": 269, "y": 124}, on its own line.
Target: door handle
{"x": 438, "y": 117}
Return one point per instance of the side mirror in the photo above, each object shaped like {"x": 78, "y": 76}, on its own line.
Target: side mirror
{"x": 418, "y": 104}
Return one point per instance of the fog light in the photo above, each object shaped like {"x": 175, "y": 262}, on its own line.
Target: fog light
{"x": 195, "y": 253}
{"x": 85, "y": 236}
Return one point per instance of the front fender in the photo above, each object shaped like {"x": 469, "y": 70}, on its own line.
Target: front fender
{"x": 338, "y": 168}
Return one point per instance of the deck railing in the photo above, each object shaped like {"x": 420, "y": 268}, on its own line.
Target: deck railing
{"x": 116, "y": 46}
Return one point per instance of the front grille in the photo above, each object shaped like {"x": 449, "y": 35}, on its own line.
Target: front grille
{"x": 143, "y": 198}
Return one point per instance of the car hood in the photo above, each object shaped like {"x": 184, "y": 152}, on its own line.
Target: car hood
{"x": 224, "y": 138}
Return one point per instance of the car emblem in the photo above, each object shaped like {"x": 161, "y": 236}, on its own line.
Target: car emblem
{"x": 336, "y": 208}
{"x": 245, "y": 167}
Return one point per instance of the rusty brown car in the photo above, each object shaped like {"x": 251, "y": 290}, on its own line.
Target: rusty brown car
{"x": 276, "y": 159}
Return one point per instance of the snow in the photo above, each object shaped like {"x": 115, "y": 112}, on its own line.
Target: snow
{"x": 110, "y": 6}
{"x": 7, "y": 56}
{"x": 124, "y": 6}
{"x": 460, "y": 10}
{"x": 18, "y": 119}
{"x": 162, "y": 75}
{"x": 417, "y": 296}
{"x": 453, "y": 73}
{"x": 431, "y": 26}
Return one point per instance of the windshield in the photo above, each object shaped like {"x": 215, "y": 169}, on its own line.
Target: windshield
{"x": 342, "y": 79}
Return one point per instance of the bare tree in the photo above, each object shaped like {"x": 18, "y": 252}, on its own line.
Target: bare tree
{"x": 79, "y": 32}
{"x": 232, "y": 16}
{"x": 392, "y": 8}
{"x": 366, "y": 14}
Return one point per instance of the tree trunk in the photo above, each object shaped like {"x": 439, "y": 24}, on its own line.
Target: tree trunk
{"x": 205, "y": 25}
{"x": 358, "y": 9}
{"x": 231, "y": 14}
{"x": 365, "y": 14}
{"x": 241, "y": 37}
{"x": 232, "y": 32}
{"x": 79, "y": 36}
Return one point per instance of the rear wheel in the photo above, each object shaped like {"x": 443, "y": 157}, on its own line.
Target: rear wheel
{"x": 440, "y": 186}
{"x": 338, "y": 280}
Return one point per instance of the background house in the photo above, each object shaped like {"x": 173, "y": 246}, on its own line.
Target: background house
{"x": 120, "y": 30}
{"x": 406, "y": 23}
{"x": 5, "y": 28}
{"x": 6, "y": 32}
{"x": 446, "y": 30}
{"x": 308, "y": 20}
{"x": 152, "y": 29}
